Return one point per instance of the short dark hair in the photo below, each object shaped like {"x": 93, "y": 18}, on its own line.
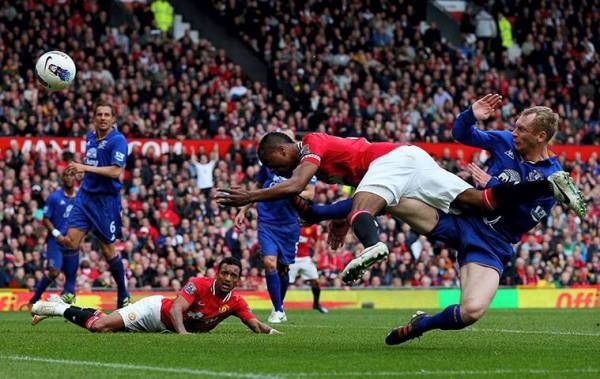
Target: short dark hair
{"x": 272, "y": 140}
{"x": 104, "y": 103}
{"x": 231, "y": 261}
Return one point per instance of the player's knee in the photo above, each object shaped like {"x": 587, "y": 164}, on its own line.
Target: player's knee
{"x": 53, "y": 273}
{"x": 472, "y": 310}
{"x": 270, "y": 264}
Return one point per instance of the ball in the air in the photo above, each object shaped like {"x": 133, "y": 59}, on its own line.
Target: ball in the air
{"x": 55, "y": 70}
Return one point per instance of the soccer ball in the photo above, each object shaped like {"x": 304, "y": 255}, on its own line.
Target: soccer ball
{"x": 55, "y": 70}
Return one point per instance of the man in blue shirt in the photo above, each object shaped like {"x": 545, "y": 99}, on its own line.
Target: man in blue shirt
{"x": 278, "y": 237}
{"x": 97, "y": 205}
{"x": 56, "y": 213}
{"x": 485, "y": 243}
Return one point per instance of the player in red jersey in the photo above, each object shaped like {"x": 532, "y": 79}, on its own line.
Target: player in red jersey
{"x": 382, "y": 173}
{"x": 305, "y": 267}
{"x": 200, "y": 306}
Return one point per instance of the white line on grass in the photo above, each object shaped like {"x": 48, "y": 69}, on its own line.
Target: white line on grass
{"x": 477, "y": 330}
{"x": 550, "y": 332}
{"x": 171, "y": 370}
{"x": 226, "y": 374}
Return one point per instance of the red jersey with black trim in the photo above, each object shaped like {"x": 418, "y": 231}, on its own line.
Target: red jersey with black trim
{"x": 206, "y": 309}
{"x": 308, "y": 235}
{"x": 342, "y": 160}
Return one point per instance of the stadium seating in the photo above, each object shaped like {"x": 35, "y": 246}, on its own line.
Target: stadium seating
{"x": 379, "y": 76}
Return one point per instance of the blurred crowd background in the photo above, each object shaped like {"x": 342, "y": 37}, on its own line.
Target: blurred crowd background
{"x": 361, "y": 69}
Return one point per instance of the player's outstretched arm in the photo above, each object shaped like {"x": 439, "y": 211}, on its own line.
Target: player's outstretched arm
{"x": 464, "y": 130}
{"x": 179, "y": 306}
{"x": 259, "y": 327}
{"x": 300, "y": 178}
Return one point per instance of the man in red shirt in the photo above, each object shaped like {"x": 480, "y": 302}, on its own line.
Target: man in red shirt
{"x": 305, "y": 267}
{"x": 199, "y": 307}
{"x": 382, "y": 173}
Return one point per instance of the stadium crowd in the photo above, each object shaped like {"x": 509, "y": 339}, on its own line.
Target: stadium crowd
{"x": 365, "y": 72}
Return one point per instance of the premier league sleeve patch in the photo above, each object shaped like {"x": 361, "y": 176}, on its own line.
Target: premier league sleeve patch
{"x": 190, "y": 288}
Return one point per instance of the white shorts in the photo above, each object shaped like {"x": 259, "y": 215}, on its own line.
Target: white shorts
{"x": 304, "y": 267}
{"x": 411, "y": 172}
{"x": 143, "y": 315}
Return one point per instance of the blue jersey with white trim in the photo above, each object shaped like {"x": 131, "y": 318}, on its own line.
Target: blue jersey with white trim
{"x": 110, "y": 151}
{"x": 506, "y": 165}
{"x": 57, "y": 209}
{"x": 280, "y": 212}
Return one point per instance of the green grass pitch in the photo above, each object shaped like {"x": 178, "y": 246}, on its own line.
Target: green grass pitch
{"x": 342, "y": 344}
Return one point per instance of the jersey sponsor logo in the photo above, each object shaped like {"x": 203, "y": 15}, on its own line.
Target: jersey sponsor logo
{"x": 189, "y": 288}
{"x": 119, "y": 156}
{"x": 223, "y": 308}
{"x": 538, "y": 213}
{"x": 509, "y": 176}
{"x": 510, "y": 154}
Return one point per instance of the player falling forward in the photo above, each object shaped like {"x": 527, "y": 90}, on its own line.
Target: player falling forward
{"x": 97, "y": 206}
{"x": 200, "y": 306}
{"x": 56, "y": 212}
{"x": 304, "y": 266}
{"x": 383, "y": 174}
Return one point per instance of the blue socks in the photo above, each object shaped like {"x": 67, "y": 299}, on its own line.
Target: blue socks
{"x": 116, "y": 269}
{"x": 274, "y": 288}
{"x": 448, "y": 319}
{"x": 338, "y": 210}
{"x": 40, "y": 289}
{"x": 70, "y": 265}
{"x": 284, "y": 283}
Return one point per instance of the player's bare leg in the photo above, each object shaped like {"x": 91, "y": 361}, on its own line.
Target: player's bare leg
{"x": 421, "y": 217}
{"x": 73, "y": 238}
{"x": 116, "y": 269}
{"x": 478, "y": 287}
{"x": 108, "y": 323}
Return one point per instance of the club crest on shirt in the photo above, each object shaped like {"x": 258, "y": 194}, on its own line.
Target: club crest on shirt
{"x": 189, "y": 288}
{"x": 223, "y": 308}
{"x": 131, "y": 316}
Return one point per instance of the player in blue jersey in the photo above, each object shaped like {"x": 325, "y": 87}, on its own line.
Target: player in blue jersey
{"x": 56, "y": 212}
{"x": 97, "y": 206}
{"x": 278, "y": 237}
{"x": 484, "y": 243}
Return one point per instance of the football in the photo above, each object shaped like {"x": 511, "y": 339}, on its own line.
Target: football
{"x": 55, "y": 70}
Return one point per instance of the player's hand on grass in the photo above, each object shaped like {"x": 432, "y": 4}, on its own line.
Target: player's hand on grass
{"x": 480, "y": 177}
{"x": 486, "y": 106}
{"x": 337, "y": 230}
{"x": 233, "y": 197}
{"x": 275, "y": 332}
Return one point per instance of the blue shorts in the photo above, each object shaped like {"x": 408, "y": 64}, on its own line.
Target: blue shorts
{"x": 98, "y": 212}
{"x": 55, "y": 253}
{"x": 281, "y": 242}
{"x": 475, "y": 241}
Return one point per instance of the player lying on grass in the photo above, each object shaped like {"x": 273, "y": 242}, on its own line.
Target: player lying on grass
{"x": 383, "y": 173}
{"x": 484, "y": 243}
{"x": 200, "y": 306}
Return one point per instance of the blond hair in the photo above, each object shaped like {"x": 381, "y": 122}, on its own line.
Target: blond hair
{"x": 545, "y": 120}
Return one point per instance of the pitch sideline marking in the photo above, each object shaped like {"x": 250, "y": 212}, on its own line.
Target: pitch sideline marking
{"x": 226, "y": 374}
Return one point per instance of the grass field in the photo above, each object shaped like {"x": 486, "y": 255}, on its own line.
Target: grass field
{"x": 342, "y": 344}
